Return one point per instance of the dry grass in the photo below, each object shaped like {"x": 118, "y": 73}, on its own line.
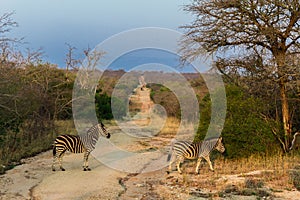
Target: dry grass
{"x": 170, "y": 127}
{"x": 244, "y": 175}
{"x": 272, "y": 172}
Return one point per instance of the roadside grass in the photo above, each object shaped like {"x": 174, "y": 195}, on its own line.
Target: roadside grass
{"x": 27, "y": 143}
{"x": 260, "y": 176}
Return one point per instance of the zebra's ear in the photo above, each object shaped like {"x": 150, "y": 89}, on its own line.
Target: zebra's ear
{"x": 220, "y": 139}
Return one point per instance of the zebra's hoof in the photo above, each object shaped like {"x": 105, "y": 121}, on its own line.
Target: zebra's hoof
{"x": 86, "y": 169}
{"x": 53, "y": 170}
{"x": 168, "y": 172}
{"x": 62, "y": 169}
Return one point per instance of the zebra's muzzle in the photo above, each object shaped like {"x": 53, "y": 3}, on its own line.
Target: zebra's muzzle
{"x": 108, "y": 135}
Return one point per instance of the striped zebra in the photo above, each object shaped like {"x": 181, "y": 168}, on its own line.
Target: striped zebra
{"x": 184, "y": 149}
{"x": 78, "y": 144}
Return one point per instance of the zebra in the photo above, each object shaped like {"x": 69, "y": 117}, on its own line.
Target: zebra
{"x": 78, "y": 144}
{"x": 190, "y": 150}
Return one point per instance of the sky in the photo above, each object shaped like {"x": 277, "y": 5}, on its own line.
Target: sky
{"x": 50, "y": 24}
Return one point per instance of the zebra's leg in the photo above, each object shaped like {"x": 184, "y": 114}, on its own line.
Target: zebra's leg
{"x": 170, "y": 166}
{"x": 54, "y": 158}
{"x": 180, "y": 160}
{"x": 198, "y": 164}
{"x": 209, "y": 162}
{"x": 86, "y": 161}
{"x": 60, "y": 158}
{"x": 53, "y": 162}
{"x": 173, "y": 159}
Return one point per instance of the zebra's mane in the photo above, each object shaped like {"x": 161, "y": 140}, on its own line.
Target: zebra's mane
{"x": 207, "y": 140}
{"x": 212, "y": 138}
{"x": 210, "y": 141}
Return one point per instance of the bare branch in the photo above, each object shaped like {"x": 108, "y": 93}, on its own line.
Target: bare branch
{"x": 294, "y": 139}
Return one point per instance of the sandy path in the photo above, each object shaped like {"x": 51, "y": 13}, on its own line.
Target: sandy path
{"x": 101, "y": 182}
{"x": 35, "y": 180}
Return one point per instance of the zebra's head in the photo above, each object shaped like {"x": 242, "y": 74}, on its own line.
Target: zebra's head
{"x": 220, "y": 146}
{"x": 103, "y": 131}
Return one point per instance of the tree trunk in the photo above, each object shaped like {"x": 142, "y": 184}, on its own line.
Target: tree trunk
{"x": 285, "y": 113}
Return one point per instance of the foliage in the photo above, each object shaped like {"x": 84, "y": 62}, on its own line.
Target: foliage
{"x": 103, "y": 106}
{"x": 31, "y": 99}
{"x": 166, "y": 98}
{"x": 245, "y": 131}
{"x": 119, "y": 107}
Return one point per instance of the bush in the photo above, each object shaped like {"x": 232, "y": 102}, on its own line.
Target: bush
{"x": 245, "y": 132}
{"x": 103, "y": 106}
{"x": 166, "y": 98}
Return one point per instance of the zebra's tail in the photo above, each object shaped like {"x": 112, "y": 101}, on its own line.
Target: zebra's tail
{"x": 54, "y": 150}
{"x": 169, "y": 156}
{"x": 171, "y": 149}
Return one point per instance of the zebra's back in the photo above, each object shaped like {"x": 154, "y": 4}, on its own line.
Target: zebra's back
{"x": 187, "y": 149}
{"x": 190, "y": 150}
{"x": 71, "y": 143}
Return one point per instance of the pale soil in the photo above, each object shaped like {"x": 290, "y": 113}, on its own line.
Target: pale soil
{"x": 35, "y": 180}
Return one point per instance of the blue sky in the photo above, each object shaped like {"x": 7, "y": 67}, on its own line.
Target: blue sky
{"x": 50, "y": 24}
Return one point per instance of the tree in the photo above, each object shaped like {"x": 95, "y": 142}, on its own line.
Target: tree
{"x": 268, "y": 30}
{"x": 6, "y": 23}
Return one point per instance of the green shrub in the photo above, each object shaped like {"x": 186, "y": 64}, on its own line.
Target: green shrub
{"x": 245, "y": 132}
{"x": 103, "y": 106}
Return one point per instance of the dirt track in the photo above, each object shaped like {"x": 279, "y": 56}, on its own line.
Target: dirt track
{"x": 35, "y": 180}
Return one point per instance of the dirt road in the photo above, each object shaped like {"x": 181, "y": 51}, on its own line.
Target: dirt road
{"x": 35, "y": 180}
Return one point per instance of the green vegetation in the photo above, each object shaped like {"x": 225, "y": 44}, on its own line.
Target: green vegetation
{"x": 252, "y": 123}
{"x": 165, "y": 97}
{"x": 32, "y": 99}
{"x": 103, "y": 106}
{"x": 245, "y": 131}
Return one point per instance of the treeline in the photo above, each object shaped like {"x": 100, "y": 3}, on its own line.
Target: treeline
{"x": 35, "y": 106}
{"x": 252, "y": 125}
{"x": 31, "y": 99}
